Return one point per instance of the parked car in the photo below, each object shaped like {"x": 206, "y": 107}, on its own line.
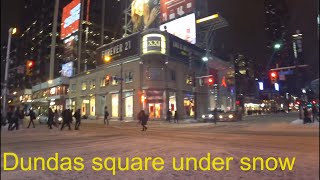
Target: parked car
{"x": 222, "y": 116}
{"x": 43, "y": 119}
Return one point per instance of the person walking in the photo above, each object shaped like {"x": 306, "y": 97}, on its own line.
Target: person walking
{"x": 215, "y": 115}
{"x": 15, "y": 118}
{"x": 77, "y": 116}
{"x": 176, "y": 117}
{"x": 65, "y": 119}
{"x": 21, "y": 117}
{"x": 169, "y": 115}
{"x": 315, "y": 113}
{"x": 50, "y": 118}
{"x": 144, "y": 120}
{"x": 32, "y": 116}
{"x": 56, "y": 118}
{"x": 106, "y": 115}
{"x": 10, "y": 118}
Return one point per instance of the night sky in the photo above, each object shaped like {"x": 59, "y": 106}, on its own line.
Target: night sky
{"x": 245, "y": 33}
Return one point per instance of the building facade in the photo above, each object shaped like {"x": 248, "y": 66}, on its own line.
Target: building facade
{"x": 152, "y": 71}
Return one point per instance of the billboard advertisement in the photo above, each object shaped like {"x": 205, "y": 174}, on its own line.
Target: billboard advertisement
{"x": 184, "y": 28}
{"x": 70, "y": 19}
{"x": 173, "y": 9}
{"x": 67, "y": 69}
{"x": 145, "y": 14}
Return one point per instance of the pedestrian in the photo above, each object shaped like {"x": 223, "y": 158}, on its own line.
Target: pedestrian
{"x": 106, "y": 115}
{"x": 56, "y": 118}
{"x": 66, "y": 118}
{"x": 50, "y": 118}
{"x": 315, "y": 113}
{"x": 215, "y": 115}
{"x": 306, "y": 119}
{"x": 21, "y": 117}
{"x": 143, "y": 119}
{"x": 71, "y": 112}
{"x": 16, "y": 116}
{"x": 32, "y": 116}
{"x": 77, "y": 116}
{"x": 176, "y": 117}
{"x": 10, "y": 118}
{"x": 169, "y": 115}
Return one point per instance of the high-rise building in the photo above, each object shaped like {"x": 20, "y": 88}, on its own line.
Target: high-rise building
{"x": 278, "y": 40}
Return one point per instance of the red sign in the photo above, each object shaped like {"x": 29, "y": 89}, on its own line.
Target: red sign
{"x": 70, "y": 19}
{"x": 173, "y": 9}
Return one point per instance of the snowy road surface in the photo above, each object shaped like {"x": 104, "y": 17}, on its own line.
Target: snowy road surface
{"x": 257, "y": 136}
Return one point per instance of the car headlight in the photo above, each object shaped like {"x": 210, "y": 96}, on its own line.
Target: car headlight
{"x": 220, "y": 116}
{"x": 210, "y": 115}
{"x": 60, "y": 119}
{"x": 230, "y": 116}
{"x": 203, "y": 116}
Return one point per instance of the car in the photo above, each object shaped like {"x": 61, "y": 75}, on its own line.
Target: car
{"x": 43, "y": 119}
{"x": 222, "y": 116}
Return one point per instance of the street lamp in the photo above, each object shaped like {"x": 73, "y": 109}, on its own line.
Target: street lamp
{"x": 4, "y": 103}
{"x": 205, "y": 59}
{"x": 277, "y": 46}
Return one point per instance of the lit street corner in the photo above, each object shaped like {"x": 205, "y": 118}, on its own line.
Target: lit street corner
{"x": 261, "y": 136}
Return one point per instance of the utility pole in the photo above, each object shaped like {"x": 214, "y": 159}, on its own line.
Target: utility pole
{"x": 5, "y": 89}
{"x": 121, "y": 90}
{"x": 53, "y": 39}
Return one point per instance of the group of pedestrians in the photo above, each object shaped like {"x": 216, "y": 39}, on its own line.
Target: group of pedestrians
{"x": 307, "y": 115}
{"x": 175, "y": 117}
{"x": 15, "y": 117}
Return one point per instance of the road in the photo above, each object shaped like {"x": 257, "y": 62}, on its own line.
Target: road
{"x": 256, "y": 136}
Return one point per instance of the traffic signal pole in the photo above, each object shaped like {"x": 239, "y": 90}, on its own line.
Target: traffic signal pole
{"x": 53, "y": 39}
{"x": 121, "y": 89}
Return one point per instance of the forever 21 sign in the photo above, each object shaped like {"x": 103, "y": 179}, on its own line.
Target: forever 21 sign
{"x": 122, "y": 48}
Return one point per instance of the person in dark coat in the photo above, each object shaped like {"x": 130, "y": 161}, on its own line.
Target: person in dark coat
{"x": 16, "y": 116}
{"x": 169, "y": 115}
{"x": 106, "y": 115}
{"x": 66, "y": 118}
{"x": 315, "y": 113}
{"x": 32, "y": 116}
{"x": 215, "y": 115}
{"x": 77, "y": 115}
{"x": 10, "y": 118}
{"x": 50, "y": 118}
{"x": 144, "y": 120}
{"x": 176, "y": 117}
{"x": 306, "y": 119}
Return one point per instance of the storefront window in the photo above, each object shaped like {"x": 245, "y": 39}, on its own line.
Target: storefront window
{"x": 189, "y": 105}
{"x": 154, "y": 110}
{"x": 93, "y": 106}
{"x": 84, "y": 104}
{"x": 129, "y": 104}
{"x": 172, "y": 102}
{"x": 114, "y": 102}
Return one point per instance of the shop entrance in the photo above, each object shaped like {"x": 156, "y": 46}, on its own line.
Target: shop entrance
{"x": 154, "y": 110}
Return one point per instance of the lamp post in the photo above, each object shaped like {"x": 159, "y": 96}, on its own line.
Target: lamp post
{"x": 4, "y": 103}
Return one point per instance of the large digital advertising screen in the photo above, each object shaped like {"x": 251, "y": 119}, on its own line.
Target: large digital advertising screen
{"x": 173, "y": 9}
{"x": 70, "y": 18}
{"x": 67, "y": 69}
{"x": 184, "y": 28}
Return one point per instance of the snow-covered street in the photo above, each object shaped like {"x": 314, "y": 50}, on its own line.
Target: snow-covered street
{"x": 256, "y": 136}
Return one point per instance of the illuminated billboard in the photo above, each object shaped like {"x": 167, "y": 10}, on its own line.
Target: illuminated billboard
{"x": 67, "y": 69}
{"x": 173, "y": 9}
{"x": 145, "y": 14}
{"x": 184, "y": 28}
{"x": 70, "y": 19}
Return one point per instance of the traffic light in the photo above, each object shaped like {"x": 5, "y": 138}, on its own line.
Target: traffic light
{"x": 273, "y": 77}
{"x": 108, "y": 79}
{"x": 210, "y": 81}
{"x": 314, "y": 102}
{"x": 30, "y": 67}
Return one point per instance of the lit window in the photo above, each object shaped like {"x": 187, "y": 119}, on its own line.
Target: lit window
{"x": 114, "y": 81}
{"x": 128, "y": 77}
{"x": 102, "y": 82}
{"x": 83, "y": 85}
{"x": 188, "y": 79}
{"x": 93, "y": 84}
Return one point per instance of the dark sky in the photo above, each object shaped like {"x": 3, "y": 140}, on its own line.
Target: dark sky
{"x": 245, "y": 33}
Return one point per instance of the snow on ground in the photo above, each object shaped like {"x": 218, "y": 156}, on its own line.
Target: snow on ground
{"x": 255, "y": 136}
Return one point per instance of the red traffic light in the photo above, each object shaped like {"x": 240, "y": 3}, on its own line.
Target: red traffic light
{"x": 314, "y": 102}
{"x": 298, "y": 102}
{"x": 238, "y": 102}
{"x": 30, "y": 63}
{"x": 273, "y": 74}
{"x": 107, "y": 78}
{"x": 210, "y": 80}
